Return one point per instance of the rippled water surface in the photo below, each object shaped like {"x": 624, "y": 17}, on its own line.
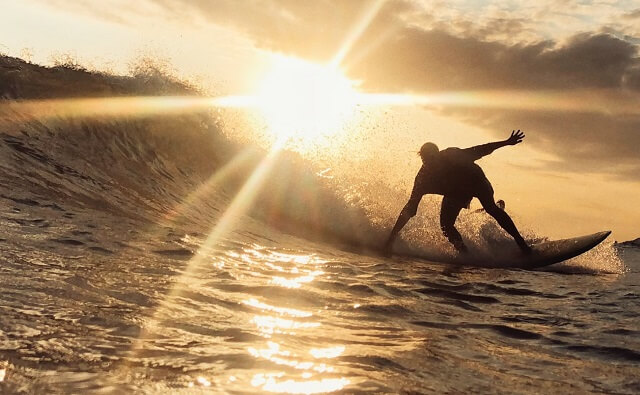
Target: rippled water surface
{"x": 135, "y": 259}
{"x": 89, "y": 303}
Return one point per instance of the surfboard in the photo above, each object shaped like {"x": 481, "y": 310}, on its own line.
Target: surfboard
{"x": 543, "y": 254}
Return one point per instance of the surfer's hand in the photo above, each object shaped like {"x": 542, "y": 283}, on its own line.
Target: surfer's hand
{"x": 515, "y": 138}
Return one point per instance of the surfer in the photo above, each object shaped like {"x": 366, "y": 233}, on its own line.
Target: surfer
{"x": 500, "y": 203}
{"x": 489, "y": 231}
{"x": 454, "y": 174}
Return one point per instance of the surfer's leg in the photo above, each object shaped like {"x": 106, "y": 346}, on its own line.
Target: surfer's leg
{"x": 505, "y": 221}
{"x": 448, "y": 214}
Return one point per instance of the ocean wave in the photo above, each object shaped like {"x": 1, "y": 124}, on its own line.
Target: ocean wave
{"x": 168, "y": 168}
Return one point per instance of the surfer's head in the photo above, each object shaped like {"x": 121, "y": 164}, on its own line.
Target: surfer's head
{"x": 428, "y": 151}
{"x": 500, "y": 203}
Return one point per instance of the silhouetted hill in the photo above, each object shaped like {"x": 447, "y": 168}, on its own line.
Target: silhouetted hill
{"x": 629, "y": 243}
{"x": 24, "y": 80}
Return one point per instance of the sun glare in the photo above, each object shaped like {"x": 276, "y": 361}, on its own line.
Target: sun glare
{"x": 304, "y": 101}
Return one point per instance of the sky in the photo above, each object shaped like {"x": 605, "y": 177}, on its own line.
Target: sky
{"x": 566, "y": 72}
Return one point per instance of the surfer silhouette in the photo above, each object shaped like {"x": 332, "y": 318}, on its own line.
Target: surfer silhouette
{"x": 454, "y": 174}
{"x": 500, "y": 203}
{"x": 489, "y": 231}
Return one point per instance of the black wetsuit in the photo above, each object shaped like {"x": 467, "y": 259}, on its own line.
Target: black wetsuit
{"x": 453, "y": 174}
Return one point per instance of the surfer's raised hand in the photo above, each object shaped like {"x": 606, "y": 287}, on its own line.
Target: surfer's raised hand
{"x": 515, "y": 138}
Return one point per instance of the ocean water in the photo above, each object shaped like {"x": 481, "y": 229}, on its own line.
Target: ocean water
{"x": 151, "y": 255}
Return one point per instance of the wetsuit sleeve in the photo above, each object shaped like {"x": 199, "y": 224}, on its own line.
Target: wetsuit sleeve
{"x": 477, "y": 152}
{"x": 411, "y": 208}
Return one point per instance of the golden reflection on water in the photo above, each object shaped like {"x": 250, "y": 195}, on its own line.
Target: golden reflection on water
{"x": 268, "y": 325}
{"x": 295, "y": 282}
{"x": 330, "y": 352}
{"x": 280, "y": 310}
{"x": 270, "y": 383}
{"x": 201, "y": 381}
{"x": 284, "y": 323}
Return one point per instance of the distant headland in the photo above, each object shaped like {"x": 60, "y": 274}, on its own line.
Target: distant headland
{"x": 629, "y": 243}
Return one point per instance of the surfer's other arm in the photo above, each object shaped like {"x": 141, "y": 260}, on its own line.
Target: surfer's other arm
{"x": 479, "y": 151}
{"x": 410, "y": 209}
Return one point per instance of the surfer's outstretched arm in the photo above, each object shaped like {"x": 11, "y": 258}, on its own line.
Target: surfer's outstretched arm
{"x": 479, "y": 151}
{"x": 410, "y": 209}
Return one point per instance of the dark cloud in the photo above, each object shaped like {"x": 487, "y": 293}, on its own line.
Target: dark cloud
{"x": 425, "y": 60}
{"x": 582, "y": 142}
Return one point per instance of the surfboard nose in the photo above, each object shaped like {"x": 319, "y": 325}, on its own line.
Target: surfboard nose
{"x": 604, "y": 234}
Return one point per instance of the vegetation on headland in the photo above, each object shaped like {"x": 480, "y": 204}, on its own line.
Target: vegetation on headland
{"x": 20, "y": 79}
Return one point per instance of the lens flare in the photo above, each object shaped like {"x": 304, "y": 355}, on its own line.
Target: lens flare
{"x": 305, "y": 101}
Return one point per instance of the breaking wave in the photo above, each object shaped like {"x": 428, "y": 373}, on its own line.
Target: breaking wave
{"x": 185, "y": 167}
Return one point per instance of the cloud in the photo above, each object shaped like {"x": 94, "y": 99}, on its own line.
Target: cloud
{"x": 420, "y": 60}
{"x": 310, "y": 29}
{"x": 423, "y": 61}
{"x": 410, "y": 56}
{"x": 582, "y": 142}
{"x": 437, "y": 46}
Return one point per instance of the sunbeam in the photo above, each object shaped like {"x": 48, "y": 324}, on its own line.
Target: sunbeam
{"x": 206, "y": 187}
{"x": 116, "y": 106}
{"x": 241, "y": 202}
{"x": 585, "y": 101}
{"x": 356, "y": 32}
{"x": 225, "y": 224}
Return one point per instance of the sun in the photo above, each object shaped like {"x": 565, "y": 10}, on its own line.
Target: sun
{"x": 305, "y": 101}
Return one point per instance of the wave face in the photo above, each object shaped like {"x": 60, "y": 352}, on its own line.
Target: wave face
{"x": 152, "y": 254}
